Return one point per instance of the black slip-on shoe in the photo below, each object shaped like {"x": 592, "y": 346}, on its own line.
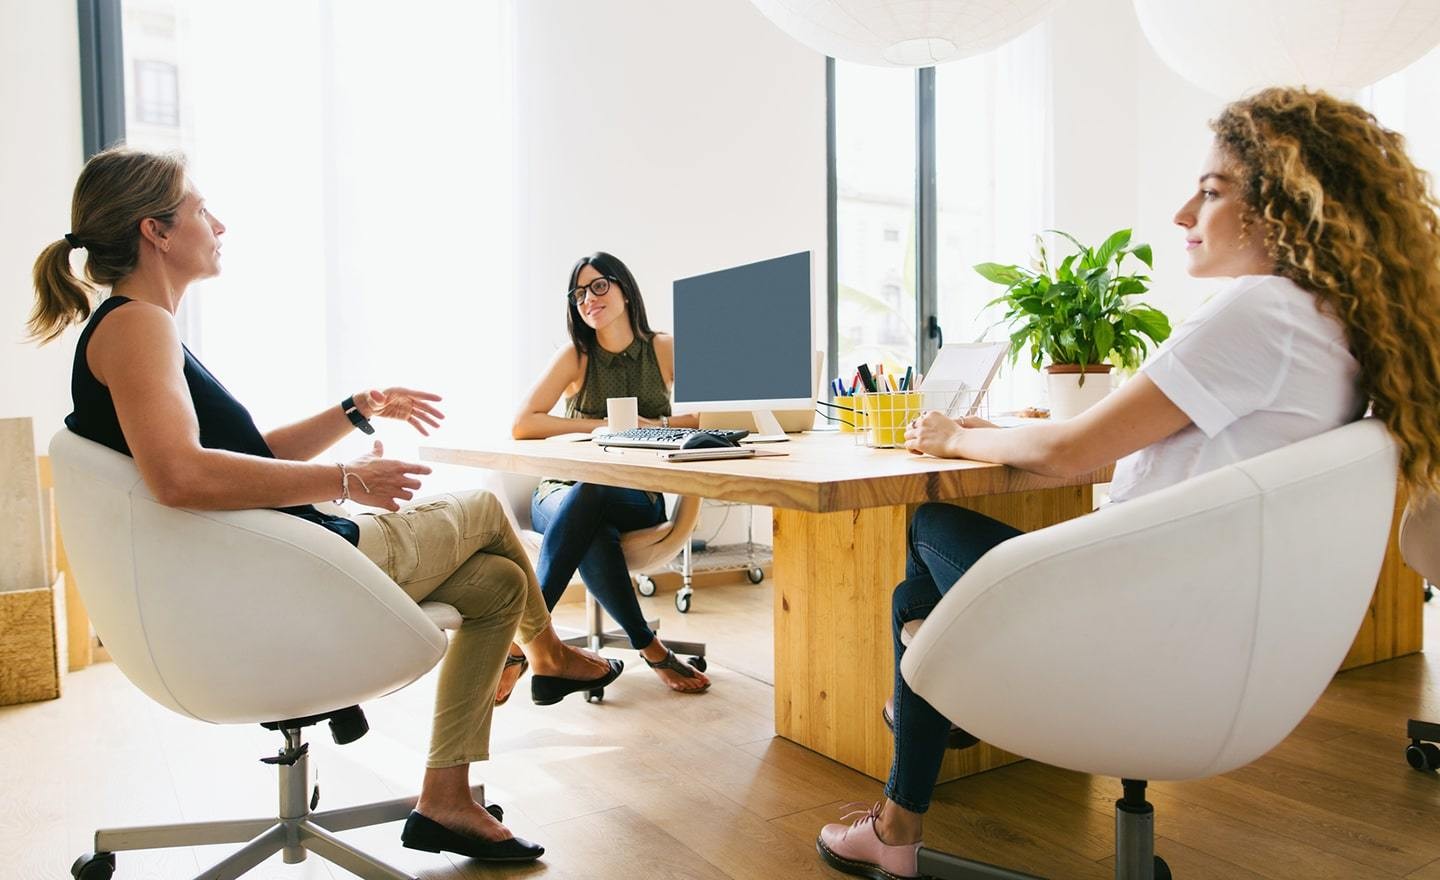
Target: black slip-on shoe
{"x": 428, "y": 835}
{"x": 546, "y": 690}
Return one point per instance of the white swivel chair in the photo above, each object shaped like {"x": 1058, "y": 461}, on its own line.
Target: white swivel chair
{"x": 1420, "y": 545}
{"x": 241, "y": 617}
{"x": 645, "y": 550}
{"x": 1176, "y": 636}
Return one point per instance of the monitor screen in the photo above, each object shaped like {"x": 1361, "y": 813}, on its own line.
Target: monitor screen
{"x": 744, "y": 334}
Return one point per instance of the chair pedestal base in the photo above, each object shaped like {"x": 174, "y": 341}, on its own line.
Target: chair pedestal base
{"x": 596, "y": 637}
{"x": 296, "y": 833}
{"x": 1135, "y": 857}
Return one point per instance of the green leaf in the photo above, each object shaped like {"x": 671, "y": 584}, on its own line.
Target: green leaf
{"x": 1104, "y": 339}
{"x": 1142, "y": 251}
{"x": 1112, "y": 246}
{"x": 999, "y": 274}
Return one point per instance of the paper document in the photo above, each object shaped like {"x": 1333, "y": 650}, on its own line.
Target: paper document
{"x": 964, "y": 371}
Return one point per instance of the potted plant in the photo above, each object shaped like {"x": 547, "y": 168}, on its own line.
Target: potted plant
{"x": 1078, "y": 318}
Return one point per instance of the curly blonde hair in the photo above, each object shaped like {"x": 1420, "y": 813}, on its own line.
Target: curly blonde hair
{"x": 1347, "y": 216}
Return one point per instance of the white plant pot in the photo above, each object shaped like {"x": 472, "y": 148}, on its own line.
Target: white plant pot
{"x": 1068, "y": 397}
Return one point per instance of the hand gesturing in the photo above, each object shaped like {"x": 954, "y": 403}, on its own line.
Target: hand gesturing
{"x": 405, "y": 404}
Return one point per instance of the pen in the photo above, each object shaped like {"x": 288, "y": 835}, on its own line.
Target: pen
{"x": 909, "y": 379}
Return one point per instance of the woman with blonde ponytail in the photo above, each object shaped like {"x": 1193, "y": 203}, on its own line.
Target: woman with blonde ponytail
{"x": 1329, "y": 238}
{"x": 147, "y": 235}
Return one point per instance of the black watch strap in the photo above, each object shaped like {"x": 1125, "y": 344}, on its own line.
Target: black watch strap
{"x": 352, "y": 412}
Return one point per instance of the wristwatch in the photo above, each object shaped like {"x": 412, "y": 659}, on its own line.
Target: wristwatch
{"x": 664, "y": 421}
{"x": 352, "y": 412}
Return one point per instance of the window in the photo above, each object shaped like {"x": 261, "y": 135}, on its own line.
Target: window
{"x": 367, "y": 205}
{"x": 874, "y": 313}
{"x": 981, "y": 128}
{"x": 157, "y": 95}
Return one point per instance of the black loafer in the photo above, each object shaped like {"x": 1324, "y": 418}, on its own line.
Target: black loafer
{"x": 428, "y": 835}
{"x": 546, "y": 690}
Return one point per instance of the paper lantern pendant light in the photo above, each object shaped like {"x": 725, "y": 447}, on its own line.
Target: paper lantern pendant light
{"x": 904, "y": 33}
{"x": 1231, "y": 47}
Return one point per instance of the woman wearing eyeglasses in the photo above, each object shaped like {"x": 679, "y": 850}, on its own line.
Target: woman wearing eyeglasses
{"x": 614, "y": 353}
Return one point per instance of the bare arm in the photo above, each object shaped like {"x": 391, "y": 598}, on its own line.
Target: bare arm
{"x": 136, "y": 354}
{"x": 1135, "y": 416}
{"x": 304, "y": 440}
{"x": 665, "y": 354}
{"x": 534, "y": 421}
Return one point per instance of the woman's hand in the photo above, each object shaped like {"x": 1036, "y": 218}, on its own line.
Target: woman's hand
{"x": 377, "y": 481}
{"x": 404, "y": 404}
{"x": 933, "y": 433}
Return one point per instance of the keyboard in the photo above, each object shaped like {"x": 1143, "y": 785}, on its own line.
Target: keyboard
{"x": 663, "y": 438}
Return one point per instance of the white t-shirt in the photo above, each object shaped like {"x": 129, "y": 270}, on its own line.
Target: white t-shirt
{"x": 1257, "y": 367}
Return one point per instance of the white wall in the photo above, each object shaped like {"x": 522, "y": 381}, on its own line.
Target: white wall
{"x": 1129, "y": 137}
{"x": 681, "y": 137}
{"x": 40, "y": 156}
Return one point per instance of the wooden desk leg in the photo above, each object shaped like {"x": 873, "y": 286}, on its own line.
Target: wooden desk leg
{"x": 1393, "y": 625}
{"x": 834, "y": 666}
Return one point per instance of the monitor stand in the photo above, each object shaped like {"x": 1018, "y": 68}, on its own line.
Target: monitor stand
{"x": 767, "y": 428}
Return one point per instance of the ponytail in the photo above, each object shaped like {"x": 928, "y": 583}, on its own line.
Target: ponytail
{"x": 61, "y": 299}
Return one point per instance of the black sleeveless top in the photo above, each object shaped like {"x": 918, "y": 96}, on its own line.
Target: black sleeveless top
{"x": 224, "y": 422}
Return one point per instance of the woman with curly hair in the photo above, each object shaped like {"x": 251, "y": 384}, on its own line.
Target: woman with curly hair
{"x": 1329, "y": 234}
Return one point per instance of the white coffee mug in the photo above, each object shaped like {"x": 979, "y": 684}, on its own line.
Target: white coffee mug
{"x": 622, "y": 413}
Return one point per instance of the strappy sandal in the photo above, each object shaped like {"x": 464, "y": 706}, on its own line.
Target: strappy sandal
{"x": 674, "y": 665}
{"x": 511, "y": 661}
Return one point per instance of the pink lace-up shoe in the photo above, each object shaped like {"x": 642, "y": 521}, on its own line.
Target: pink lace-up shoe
{"x": 857, "y": 849}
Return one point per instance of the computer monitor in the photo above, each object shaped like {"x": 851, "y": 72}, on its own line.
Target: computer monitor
{"x": 744, "y": 340}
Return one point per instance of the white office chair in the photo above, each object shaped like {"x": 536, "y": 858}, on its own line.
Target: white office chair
{"x": 241, "y": 617}
{"x": 1179, "y": 635}
{"x": 645, "y": 551}
{"x": 1420, "y": 546}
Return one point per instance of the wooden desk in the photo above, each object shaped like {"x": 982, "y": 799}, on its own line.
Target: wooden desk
{"x": 841, "y": 512}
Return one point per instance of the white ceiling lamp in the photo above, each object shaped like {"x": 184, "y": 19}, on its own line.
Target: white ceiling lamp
{"x": 904, "y": 33}
{"x": 1232, "y": 47}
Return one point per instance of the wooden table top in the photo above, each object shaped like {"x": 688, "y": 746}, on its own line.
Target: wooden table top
{"x": 821, "y": 472}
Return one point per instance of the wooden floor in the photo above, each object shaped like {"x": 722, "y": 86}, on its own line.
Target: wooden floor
{"x": 654, "y": 785}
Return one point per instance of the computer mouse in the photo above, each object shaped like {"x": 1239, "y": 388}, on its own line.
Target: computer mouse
{"x": 702, "y": 440}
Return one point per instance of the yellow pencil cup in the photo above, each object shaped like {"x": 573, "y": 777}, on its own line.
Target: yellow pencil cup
{"x": 847, "y": 414}
{"x": 883, "y": 416}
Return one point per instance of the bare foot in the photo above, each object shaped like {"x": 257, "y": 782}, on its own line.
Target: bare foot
{"x": 676, "y": 681}
{"x": 469, "y": 819}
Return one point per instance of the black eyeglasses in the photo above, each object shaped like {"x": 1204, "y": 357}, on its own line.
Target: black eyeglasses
{"x": 598, "y": 287}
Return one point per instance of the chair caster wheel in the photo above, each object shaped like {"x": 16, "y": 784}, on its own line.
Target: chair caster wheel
{"x": 497, "y": 811}
{"x": 596, "y": 695}
{"x": 698, "y": 662}
{"x": 645, "y": 585}
{"x": 682, "y": 602}
{"x": 94, "y": 866}
{"x": 1162, "y": 870}
{"x": 1423, "y": 756}
{"x": 756, "y": 575}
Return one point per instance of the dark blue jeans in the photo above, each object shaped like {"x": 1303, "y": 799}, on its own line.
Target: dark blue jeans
{"x": 582, "y": 526}
{"x": 944, "y": 541}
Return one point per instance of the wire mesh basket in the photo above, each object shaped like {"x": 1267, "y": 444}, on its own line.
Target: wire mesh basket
{"x": 879, "y": 418}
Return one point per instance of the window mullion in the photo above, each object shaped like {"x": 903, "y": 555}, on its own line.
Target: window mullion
{"x": 926, "y": 221}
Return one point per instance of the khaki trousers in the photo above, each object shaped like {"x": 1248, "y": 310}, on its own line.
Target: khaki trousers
{"x": 460, "y": 549}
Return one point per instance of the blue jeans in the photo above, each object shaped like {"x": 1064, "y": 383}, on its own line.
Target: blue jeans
{"x": 944, "y": 541}
{"x": 582, "y": 525}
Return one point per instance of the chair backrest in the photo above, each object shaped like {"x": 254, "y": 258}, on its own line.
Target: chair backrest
{"x": 1178, "y": 635}
{"x": 231, "y": 616}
